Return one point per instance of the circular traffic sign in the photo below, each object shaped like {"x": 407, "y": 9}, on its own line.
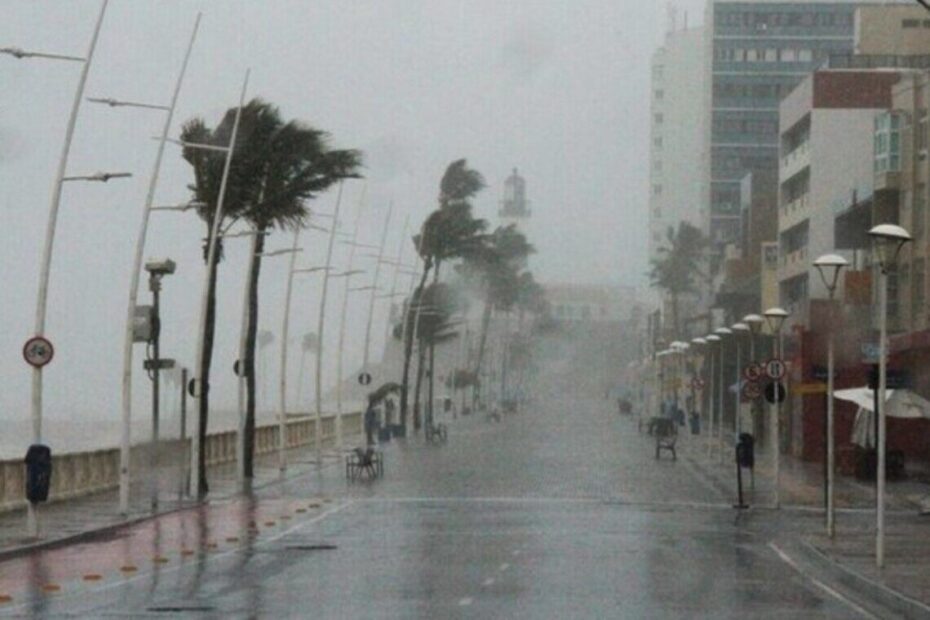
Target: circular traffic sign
{"x": 192, "y": 386}
{"x": 364, "y": 378}
{"x": 38, "y": 351}
{"x": 775, "y": 369}
{"x": 775, "y": 392}
{"x": 753, "y": 372}
{"x": 751, "y": 391}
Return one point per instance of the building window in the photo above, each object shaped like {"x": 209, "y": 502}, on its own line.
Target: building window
{"x": 805, "y": 55}
{"x": 657, "y": 142}
{"x": 659, "y": 118}
{"x": 919, "y": 210}
{"x": 657, "y": 189}
{"x": 910, "y": 23}
{"x": 660, "y": 94}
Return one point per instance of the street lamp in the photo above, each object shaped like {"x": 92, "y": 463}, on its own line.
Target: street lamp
{"x": 754, "y": 321}
{"x": 712, "y": 341}
{"x": 829, "y": 267}
{"x": 775, "y": 317}
{"x": 887, "y": 241}
{"x": 135, "y": 274}
{"x": 724, "y": 333}
{"x": 738, "y": 330}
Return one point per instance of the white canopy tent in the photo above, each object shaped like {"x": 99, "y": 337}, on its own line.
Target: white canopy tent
{"x": 899, "y": 404}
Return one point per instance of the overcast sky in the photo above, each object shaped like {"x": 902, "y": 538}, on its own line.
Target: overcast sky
{"x": 559, "y": 89}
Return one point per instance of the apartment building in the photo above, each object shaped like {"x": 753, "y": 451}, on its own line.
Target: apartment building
{"x": 827, "y": 132}
{"x": 676, "y": 179}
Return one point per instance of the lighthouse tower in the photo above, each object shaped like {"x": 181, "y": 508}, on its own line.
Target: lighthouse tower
{"x": 514, "y": 205}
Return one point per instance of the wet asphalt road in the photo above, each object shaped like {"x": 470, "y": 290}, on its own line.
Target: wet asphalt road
{"x": 556, "y": 512}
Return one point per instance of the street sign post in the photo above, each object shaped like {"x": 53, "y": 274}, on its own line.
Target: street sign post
{"x": 38, "y": 351}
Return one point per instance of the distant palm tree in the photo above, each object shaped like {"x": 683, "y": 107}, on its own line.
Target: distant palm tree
{"x": 451, "y": 231}
{"x": 677, "y": 267}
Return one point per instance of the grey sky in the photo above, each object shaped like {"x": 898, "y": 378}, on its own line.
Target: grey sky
{"x": 557, "y": 88}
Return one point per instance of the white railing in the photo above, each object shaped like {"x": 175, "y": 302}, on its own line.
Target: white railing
{"x": 77, "y": 474}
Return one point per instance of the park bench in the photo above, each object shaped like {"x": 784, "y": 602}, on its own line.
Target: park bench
{"x": 364, "y": 462}
{"x": 436, "y": 433}
{"x": 666, "y": 434}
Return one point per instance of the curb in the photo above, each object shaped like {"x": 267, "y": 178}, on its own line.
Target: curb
{"x": 892, "y": 599}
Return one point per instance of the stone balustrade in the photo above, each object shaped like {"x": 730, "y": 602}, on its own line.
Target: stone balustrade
{"x": 77, "y": 474}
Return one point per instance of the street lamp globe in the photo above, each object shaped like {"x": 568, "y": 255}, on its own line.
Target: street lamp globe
{"x": 712, "y": 339}
{"x": 887, "y": 241}
{"x": 698, "y": 341}
{"x": 829, "y": 267}
{"x": 723, "y": 331}
{"x": 740, "y": 328}
{"x": 776, "y": 317}
{"x": 754, "y": 321}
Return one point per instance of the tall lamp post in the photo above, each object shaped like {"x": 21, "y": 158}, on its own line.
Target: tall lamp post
{"x": 698, "y": 347}
{"x": 775, "y": 317}
{"x": 887, "y": 241}
{"x": 723, "y": 333}
{"x": 712, "y": 341}
{"x": 42, "y": 295}
{"x": 738, "y": 330}
{"x": 829, "y": 267}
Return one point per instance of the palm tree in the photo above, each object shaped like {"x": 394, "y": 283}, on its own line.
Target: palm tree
{"x": 676, "y": 268}
{"x": 496, "y": 266}
{"x": 277, "y": 167}
{"x": 451, "y": 231}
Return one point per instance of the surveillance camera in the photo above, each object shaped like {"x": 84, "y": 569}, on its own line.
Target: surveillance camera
{"x": 164, "y": 267}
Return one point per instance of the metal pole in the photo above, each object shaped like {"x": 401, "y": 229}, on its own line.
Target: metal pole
{"x": 155, "y": 285}
{"x": 184, "y": 488}
{"x": 126, "y": 438}
{"x": 340, "y": 349}
{"x": 710, "y": 407}
{"x": 720, "y": 405}
{"x": 776, "y": 455}
{"x": 831, "y": 455}
{"x": 882, "y": 387}
{"x": 318, "y": 425}
{"x": 202, "y": 386}
{"x": 32, "y": 521}
{"x": 285, "y": 330}
{"x": 737, "y": 423}
{"x": 374, "y": 287}
{"x": 241, "y": 378}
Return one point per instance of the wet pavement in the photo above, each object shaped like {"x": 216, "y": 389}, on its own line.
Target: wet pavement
{"x": 558, "y": 511}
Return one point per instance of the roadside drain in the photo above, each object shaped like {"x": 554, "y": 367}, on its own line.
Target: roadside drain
{"x": 319, "y": 547}
{"x": 177, "y": 609}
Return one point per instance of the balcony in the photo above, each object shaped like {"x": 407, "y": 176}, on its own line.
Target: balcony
{"x": 795, "y": 161}
{"x": 792, "y": 213}
{"x": 888, "y": 180}
{"x": 793, "y": 264}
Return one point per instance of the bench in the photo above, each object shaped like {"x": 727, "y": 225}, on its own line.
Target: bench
{"x": 364, "y": 462}
{"x": 666, "y": 434}
{"x": 436, "y": 433}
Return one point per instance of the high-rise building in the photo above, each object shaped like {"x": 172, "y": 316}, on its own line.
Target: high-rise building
{"x": 757, "y": 52}
{"x": 676, "y": 179}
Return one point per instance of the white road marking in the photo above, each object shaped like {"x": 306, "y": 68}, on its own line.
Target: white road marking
{"x": 465, "y": 602}
{"x": 488, "y": 582}
{"x": 516, "y": 553}
{"x": 504, "y": 567}
{"x": 852, "y": 605}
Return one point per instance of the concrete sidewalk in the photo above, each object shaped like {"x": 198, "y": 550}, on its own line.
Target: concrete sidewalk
{"x": 69, "y": 520}
{"x": 903, "y": 584}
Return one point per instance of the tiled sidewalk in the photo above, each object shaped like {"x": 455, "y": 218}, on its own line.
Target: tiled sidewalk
{"x": 75, "y": 517}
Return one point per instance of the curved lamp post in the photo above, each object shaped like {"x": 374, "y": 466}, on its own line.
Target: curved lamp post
{"x": 775, "y": 317}
{"x": 829, "y": 267}
{"x": 713, "y": 340}
{"x": 887, "y": 241}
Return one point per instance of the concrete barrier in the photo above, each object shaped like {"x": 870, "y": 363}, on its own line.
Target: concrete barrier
{"x": 76, "y": 474}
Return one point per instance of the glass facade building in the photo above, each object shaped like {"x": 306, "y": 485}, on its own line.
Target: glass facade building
{"x": 757, "y": 53}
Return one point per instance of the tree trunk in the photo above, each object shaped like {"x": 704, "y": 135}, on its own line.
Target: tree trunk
{"x": 208, "y": 337}
{"x": 408, "y": 349}
{"x": 421, "y": 355}
{"x": 676, "y": 328}
{"x": 249, "y": 362}
{"x": 432, "y": 359}
{"x": 482, "y": 342}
